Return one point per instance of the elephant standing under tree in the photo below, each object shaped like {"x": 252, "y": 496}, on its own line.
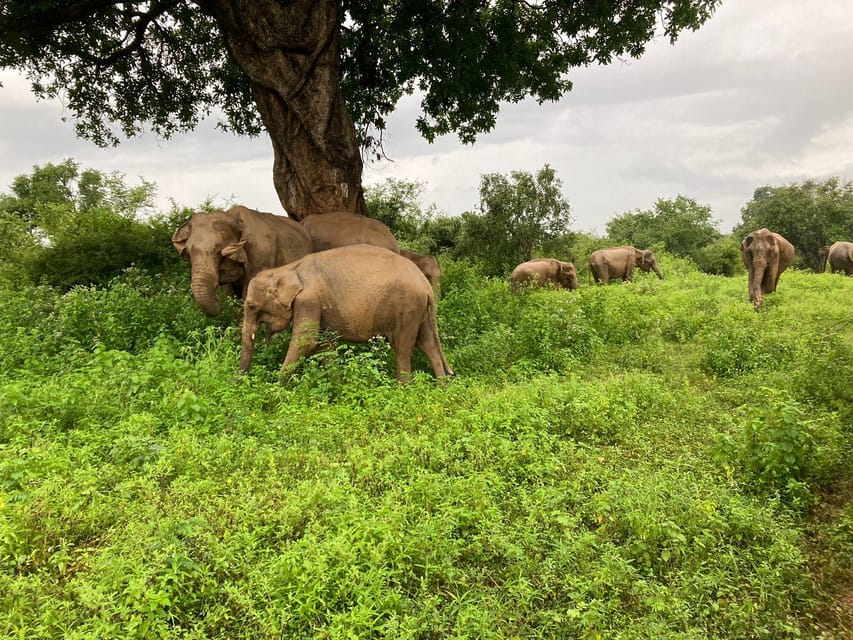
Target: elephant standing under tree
{"x": 544, "y": 272}
{"x": 340, "y": 229}
{"x": 840, "y": 258}
{"x": 619, "y": 262}
{"x": 359, "y": 292}
{"x": 429, "y": 267}
{"x": 227, "y": 249}
{"x": 766, "y": 255}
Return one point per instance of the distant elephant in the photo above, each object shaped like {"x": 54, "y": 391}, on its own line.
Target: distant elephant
{"x": 543, "y": 272}
{"x": 619, "y": 262}
{"x": 765, "y": 255}
{"x": 840, "y": 258}
{"x": 227, "y": 248}
{"x": 359, "y": 292}
{"x": 339, "y": 229}
{"x": 429, "y": 267}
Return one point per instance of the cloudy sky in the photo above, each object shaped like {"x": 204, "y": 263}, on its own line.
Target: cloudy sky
{"x": 761, "y": 95}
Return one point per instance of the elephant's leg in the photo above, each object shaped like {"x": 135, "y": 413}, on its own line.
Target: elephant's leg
{"x": 428, "y": 342}
{"x": 403, "y": 346}
{"x": 303, "y": 343}
{"x": 771, "y": 278}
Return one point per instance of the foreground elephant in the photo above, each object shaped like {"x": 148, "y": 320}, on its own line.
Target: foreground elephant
{"x": 543, "y": 272}
{"x": 840, "y": 258}
{"x": 619, "y": 262}
{"x": 358, "y": 292}
{"x": 765, "y": 255}
{"x": 227, "y": 248}
{"x": 429, "y": 267}
{"x": 339, "y": 229}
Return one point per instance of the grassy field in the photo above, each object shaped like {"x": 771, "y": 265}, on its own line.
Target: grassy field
{"x": 650, "y": 460}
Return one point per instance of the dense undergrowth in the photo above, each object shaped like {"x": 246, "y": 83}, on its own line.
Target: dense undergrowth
{"x": 634, "y": 461}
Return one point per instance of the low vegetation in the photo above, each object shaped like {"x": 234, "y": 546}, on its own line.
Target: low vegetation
{"x": 646, "y": 460}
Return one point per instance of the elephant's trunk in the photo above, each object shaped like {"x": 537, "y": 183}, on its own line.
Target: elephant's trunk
{"x": 203, "y": 285}
{"x": 657, "y": 270}
{"x": 250, "y": 328}
{"x": 755, "y": 280}
{"x": 574, "y": 283}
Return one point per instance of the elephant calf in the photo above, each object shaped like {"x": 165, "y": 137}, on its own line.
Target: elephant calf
{"x": 429, "y": 266}
{"x": 359, "y": 292}
{"x": 544, "y": 272}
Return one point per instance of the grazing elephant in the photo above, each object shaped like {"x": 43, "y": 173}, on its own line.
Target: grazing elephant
{"x": 358, "y": 291}
{"x": 619, "y": 262}
{"x": 840, "y": 258}
{"x": 227, "y": 248}
{"x": 339, "y": 229}
{"x": 429, "y": 266}
{"x": 543, "y": 272}
{"x": 765, "y": 255}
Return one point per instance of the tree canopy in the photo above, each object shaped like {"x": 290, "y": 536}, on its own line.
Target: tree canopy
{"x": 320, "y": 76}
{"x": 809, "y": 215}
{"x": 519, "y": 213}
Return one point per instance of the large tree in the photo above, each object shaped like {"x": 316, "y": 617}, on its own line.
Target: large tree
{"x": 319, "y": 76}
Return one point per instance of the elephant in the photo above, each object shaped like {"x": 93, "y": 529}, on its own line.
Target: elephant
{"x": 339, "y": 229}
{"x": 429, "y": 266}
{"x": 543, "y": 272}
{"x": 619, "y": 262}
{"x": 766, "y": 255}
{"x": 228, "y": 248}
{"x": 357, "y": 291}
{"x": 840, "y": 258}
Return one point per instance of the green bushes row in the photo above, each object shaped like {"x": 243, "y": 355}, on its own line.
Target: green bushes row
{"x": 630, "y": 461}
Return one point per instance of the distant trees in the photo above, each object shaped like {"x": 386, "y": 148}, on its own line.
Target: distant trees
{"x": 810, "y": 215}
{"x": 682, "y": 227}
{"x": 66, "y": 226}
{"x": 519, "y": 214}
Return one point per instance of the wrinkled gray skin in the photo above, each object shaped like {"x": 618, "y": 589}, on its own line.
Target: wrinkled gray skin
{"x": 766, "y": 255}
{"x": 227, "y": 248}
{"x": 359, "y": 292}
{"x": 619, "y": 262}
{"x": 429, "y": 267}
{"x": 339, "y": 229}
{"x": 840, "y": 258}
{"x": 544, "y": 272}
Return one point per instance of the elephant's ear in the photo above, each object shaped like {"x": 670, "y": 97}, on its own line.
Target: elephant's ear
{"x": 236, "y": 252}
{"x": 180, "y": 237}
{"x": 287, "y": 288}
{"x": 747, "y": 242}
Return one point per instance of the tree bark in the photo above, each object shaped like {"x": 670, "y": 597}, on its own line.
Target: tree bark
{"x": 291, "y": 55}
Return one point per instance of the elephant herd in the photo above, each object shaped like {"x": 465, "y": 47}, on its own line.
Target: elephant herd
{"x": 346, "y": 273}
{"x": 765, "y": 254}
{"x": 337, "y": 271}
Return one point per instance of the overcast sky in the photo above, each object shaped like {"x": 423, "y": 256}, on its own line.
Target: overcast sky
{"x": 761, "y": 95}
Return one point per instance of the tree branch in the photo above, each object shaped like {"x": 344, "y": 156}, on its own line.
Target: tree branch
{"x": 39, "y": 21}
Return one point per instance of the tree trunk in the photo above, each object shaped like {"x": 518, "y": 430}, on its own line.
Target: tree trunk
{"x": 291, "y": 55}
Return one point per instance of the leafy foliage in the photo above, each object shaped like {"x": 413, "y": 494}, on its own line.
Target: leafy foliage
{"x": 68, "y": 227}
{"x": 518, "y": 214}
{"x": 809, "y": 215}
{"x": 165, "y": 64}
{"x": 682, "y": 226}
{"x": 597, "y": 468}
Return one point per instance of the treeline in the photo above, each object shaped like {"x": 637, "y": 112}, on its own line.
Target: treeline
{"x": 522, "y": 215}
{"x": 64, "y": 226}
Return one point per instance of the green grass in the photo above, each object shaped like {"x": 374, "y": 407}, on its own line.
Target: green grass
{"x": 634, "y": 461}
